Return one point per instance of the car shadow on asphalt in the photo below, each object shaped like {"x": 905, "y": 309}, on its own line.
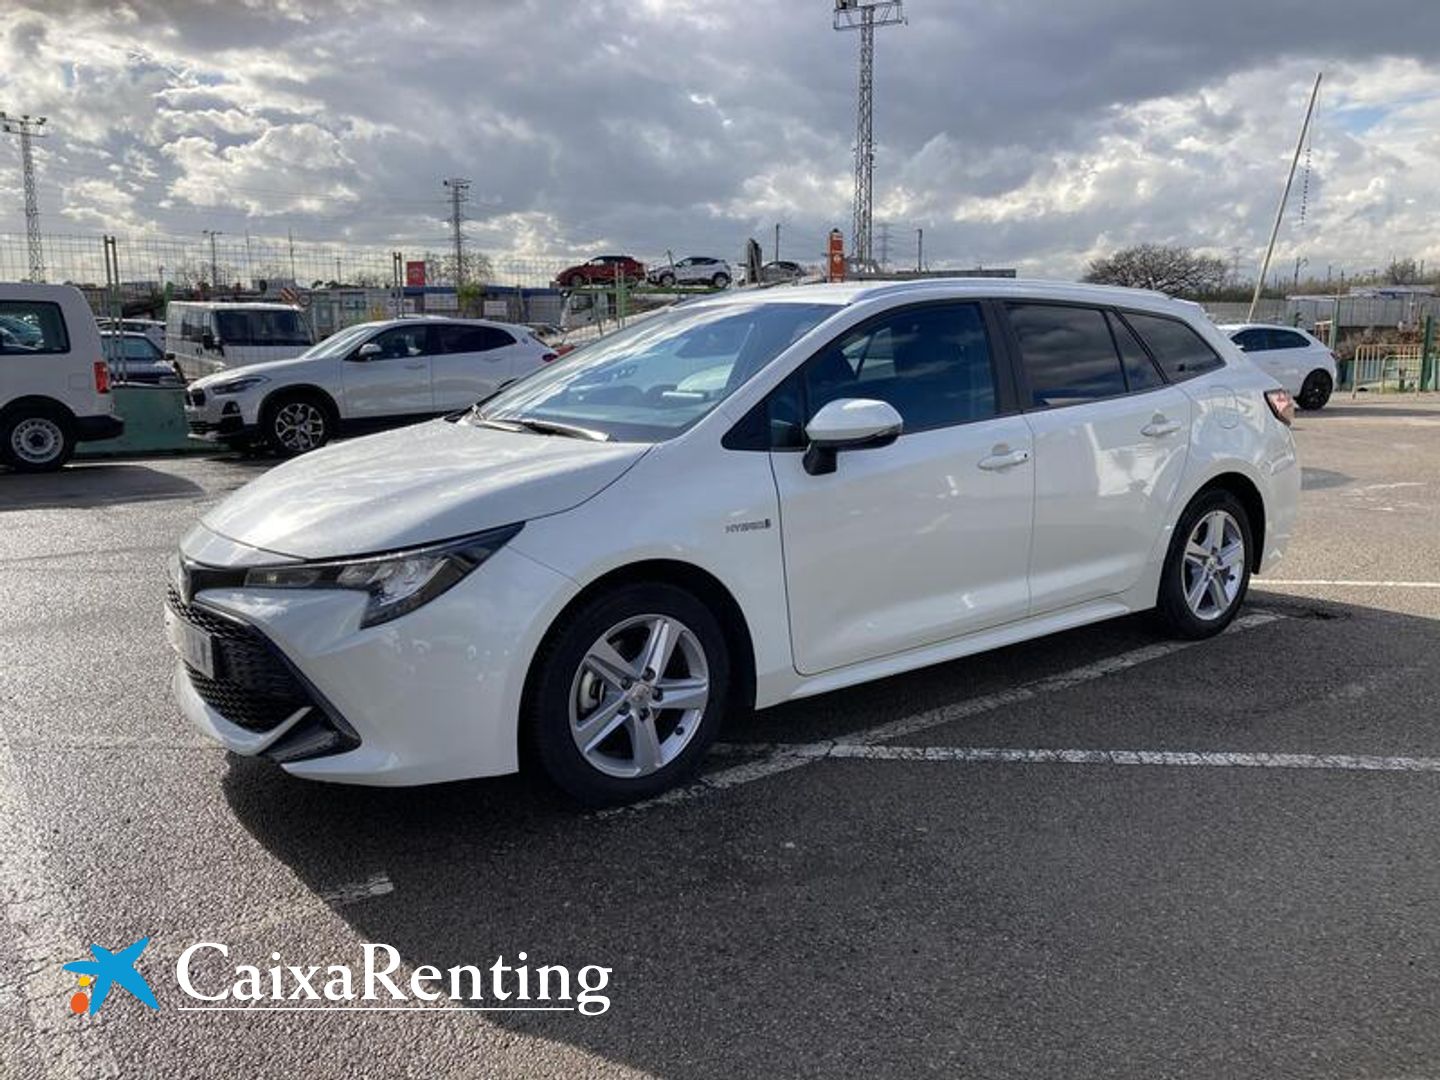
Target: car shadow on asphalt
{"x": 92, "y": 484}
{"x": 832, "y": 917}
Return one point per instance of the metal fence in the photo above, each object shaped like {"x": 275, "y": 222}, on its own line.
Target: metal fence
{"x": 1381, "y": 367}
{"x": 148, "y": 262}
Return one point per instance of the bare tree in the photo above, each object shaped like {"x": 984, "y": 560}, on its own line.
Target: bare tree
{"x": 1402, "y": 272}
{"x": 1164, "y": 268}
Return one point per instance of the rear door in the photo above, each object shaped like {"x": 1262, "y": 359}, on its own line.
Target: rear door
{"x": 1110, "y": 441}
{"x": 395, "y": 383}
{"x": 470, "y": 361}
{"x": 920, "y": 541}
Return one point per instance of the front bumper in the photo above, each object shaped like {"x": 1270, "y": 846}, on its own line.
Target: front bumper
{"x": 218, "y": 417}
{"x": 432, "y": 696}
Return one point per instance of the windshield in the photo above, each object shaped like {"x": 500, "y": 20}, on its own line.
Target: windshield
{"x": 338, "y": 343}
{"x": 262, "y": 327}
{"x": 654, "y": 379}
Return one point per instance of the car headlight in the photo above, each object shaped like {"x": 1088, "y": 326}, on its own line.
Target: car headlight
{"x": 397, "y": 583}
{"x": 236, "y": 386}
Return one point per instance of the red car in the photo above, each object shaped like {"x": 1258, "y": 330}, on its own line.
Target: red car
{"x": 603, "y": 270}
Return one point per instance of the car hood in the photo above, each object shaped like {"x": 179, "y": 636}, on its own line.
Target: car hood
{"x": 414, "y": 486}
{"x": 276, "y": 368}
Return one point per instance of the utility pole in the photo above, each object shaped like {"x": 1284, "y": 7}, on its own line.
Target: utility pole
{"x": 884, "y": 254}
{"x": 919, "y": 250}
{"x": 777, "y": 241}
{"x": 28, "y": 128}
{"x": 290, "y": 236}
{"x": 865, "y": 16}
{"x": 1284, "y": 198}
{"x": 459, "y": 188}
{"x": 214, "y": 263}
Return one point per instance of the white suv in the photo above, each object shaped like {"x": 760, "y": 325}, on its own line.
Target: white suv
{"x": 1298, "y": 361}
{"x": 695, "y": 270}
{"x": 366, "y": 377}
{"x": 743, "y": 500}
{"x": 54, "y": 381}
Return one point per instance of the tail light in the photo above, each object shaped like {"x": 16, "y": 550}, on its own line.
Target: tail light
{"x": 1282, "y": 405}
{"x": 102, "y": 377}
{"x": 545, "y": 358}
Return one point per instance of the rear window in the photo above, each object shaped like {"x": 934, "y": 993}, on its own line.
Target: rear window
{"x": 1068, "y": 354}
{"x": 473, "y": 339}
{"x": 32, "y": 326}
{"x": 261, "y": 327}
{"x": 1179, "y": 350}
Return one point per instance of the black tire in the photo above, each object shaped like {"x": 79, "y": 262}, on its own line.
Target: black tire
{"x": 577, "y": 281}
{"x": 666, "y": 280}
{"x": 36, "y": 439}
{"x": 560, "y": 677}
{"x": 720, "y": 281}
{"x": 1316, "y": 390}
{"x": 1175, "y": 610}
{"x": 297, "y": 423}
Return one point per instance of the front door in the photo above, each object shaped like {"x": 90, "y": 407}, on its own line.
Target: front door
{"x": 920, "y": 541}
{"x": 394, "y": 383}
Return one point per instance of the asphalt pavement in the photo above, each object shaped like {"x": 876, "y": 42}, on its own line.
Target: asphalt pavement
{"x": 1099, "y": 854}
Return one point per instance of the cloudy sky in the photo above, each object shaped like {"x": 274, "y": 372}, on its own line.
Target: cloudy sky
{"x": 1035, "y": 133}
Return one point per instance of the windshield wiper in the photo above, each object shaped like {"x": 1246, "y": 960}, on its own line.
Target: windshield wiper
{"x": 544, "y": 427}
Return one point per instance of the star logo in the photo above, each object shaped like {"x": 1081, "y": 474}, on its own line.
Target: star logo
{"x": 108, "y": 969}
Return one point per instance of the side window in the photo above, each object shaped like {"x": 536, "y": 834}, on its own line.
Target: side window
{"x": 1253, "y": 340}
{"x": 472, "y": 339}
{"x": 1179, "y": 350}
{"x": 1287, "y": 339}
{"x": 401, "y": 342}
{"x": 28, "y": 327}
{"x": 1068, "y": 355}
{"x": 931, "y": 363}
{"x": 1140, "y": 370}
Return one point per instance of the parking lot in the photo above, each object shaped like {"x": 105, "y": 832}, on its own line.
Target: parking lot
{"x": 1102, "y": 853}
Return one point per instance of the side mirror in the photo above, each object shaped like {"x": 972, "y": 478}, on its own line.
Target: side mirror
{"x": 169, "y": 356}
{"x": 848, "y": 424}
{"x": 369, "y": 351}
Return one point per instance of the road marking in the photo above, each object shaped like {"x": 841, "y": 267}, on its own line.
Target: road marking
{"x": 1213, "y": 759}
{"x": 785, "y": 757}
{"x": 36, "y": 909}
{"x": 1261, "y": 583}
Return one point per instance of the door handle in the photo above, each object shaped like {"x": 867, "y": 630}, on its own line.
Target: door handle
{"x": 1160, "y": 427}
{"x": 1004, "y": 460}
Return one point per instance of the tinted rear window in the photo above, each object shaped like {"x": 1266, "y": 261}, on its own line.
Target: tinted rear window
{"x": 1179, "y": 350}
{"x": 1067, "y": 354}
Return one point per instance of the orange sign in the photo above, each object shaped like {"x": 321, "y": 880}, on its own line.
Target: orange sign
{"x": 837, "y": 255}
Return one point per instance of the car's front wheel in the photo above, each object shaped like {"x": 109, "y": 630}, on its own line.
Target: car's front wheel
{"x": 297, "y": 424}
{"x": 720, "y": 281}
{"x": 38, "y": 441}
{"x": 1207, "y": 569}
{"x": 577, "y": 281}
{"x": 1316, "y": 390}
{"x": 627, "y": 694}
{"x": 667, "y": 280}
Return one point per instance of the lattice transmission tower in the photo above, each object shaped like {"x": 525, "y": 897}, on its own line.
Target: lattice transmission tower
{"x": 28, "y": 128}
{"x": 865, "y": 16}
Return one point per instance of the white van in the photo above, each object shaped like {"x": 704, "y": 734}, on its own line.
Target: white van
{"x": 54, "y": 381}
{"x": 207, "y": 336}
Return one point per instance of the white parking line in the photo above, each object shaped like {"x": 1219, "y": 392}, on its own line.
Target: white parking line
{"x": 1261, "y": 583}
{"x": 785, "y": 757}
{"x": 1213, "y": 759}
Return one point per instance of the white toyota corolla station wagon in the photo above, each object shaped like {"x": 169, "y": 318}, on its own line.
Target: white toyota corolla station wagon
{"x": 744, "y": 500}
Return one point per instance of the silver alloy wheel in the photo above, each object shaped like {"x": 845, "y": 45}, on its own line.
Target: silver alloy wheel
{"x": 299, "y": 426}
{"x": 37, "y": 440}
{"x": 1213, "y": 566}
{"x": 639, "y": 696}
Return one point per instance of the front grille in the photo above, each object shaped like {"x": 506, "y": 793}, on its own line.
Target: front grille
{"x": 195, "y": 397}
{"x": 253, "y": 687}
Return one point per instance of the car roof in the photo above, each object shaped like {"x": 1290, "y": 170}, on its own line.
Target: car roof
{"x": 231, "y": 305}
{"x": 850, "y": 292}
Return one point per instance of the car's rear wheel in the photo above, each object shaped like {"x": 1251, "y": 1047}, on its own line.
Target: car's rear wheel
{"x": 626, "y": 696}
{"x": 577, "y": 281}
{"x": 720, "y": 281}
{"x": 667, "y": 280}
{"x": 297, "y": 424}
{"x": 41, "y": 440}
{"x": 1207, "y": 569}
{"x": 1316, "y": 390}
